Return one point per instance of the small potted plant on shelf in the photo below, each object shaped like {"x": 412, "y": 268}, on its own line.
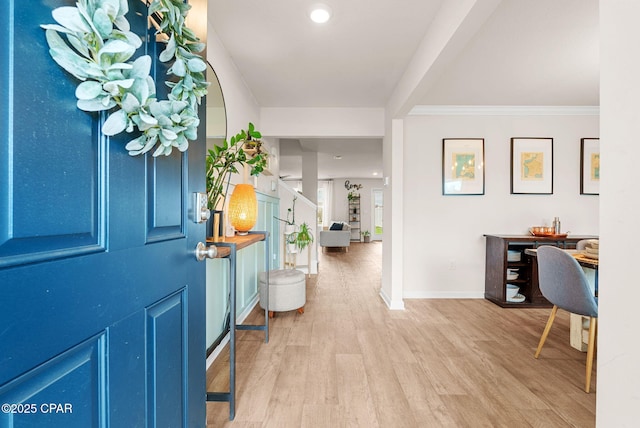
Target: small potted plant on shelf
{"x": 304, "y": 237}
{"x": 366, "y": 236}
{"x": 252, "y": 145}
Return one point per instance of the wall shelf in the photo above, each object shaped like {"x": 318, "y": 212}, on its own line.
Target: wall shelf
{"x": 354, "y": 217}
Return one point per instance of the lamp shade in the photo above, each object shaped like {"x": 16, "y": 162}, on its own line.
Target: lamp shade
{"x": 243, "y": 208}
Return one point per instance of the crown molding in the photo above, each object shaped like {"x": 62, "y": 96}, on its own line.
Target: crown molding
{"x": 442, "y": 110}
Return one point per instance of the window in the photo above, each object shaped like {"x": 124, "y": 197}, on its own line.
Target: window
{"x": 325, "y": 200}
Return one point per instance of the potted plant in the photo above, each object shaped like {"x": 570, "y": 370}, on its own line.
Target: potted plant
{"x": 366, "y": 236}
{"x": 224, "y": 160}
{"x": 290, "y": 221}
{"x": 290, "y": 229}
{"x": 221, "y": 162}
{"x": 252, "y": 145}
{"x": 304, "y": 237}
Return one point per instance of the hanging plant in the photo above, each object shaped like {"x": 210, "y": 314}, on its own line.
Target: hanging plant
{"x": 97, "y": 49}
{"x": 304, "y": 237}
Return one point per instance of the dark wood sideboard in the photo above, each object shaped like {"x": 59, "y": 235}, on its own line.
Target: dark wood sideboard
{"x": 496, "y": 265}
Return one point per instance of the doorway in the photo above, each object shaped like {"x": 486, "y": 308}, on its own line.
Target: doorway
{"x": 377, "y": 204}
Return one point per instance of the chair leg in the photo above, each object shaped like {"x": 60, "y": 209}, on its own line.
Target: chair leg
{"x": 590, "y": 352}
{"x": 547, "y": 328}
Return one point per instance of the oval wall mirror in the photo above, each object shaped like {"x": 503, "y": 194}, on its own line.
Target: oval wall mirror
{"x": 216, "y": 114}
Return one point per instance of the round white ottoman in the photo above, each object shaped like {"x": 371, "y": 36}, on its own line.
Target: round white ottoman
{"x": 287, "y": 290}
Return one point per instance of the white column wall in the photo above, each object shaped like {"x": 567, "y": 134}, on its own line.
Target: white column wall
{"x": 393, "y": 273}
{"x": 618, "y": 345}
{"x": 310, "y": 176}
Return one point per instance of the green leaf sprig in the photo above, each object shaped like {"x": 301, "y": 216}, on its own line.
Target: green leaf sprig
{"x": 97, "y": 50}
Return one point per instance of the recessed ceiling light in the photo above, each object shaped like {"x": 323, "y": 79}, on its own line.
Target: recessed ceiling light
{"x": 337, "y": 157}
{"x": 320, "y": 13}
{"x": 375, "y": 173}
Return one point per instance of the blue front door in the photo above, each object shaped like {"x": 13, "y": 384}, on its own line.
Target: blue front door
{"x": 101, "y": 298}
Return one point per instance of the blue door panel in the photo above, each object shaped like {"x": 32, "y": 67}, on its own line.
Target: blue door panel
{"x": 101, "y": 297}
{"x": 128, "y": 356}
{"x": 78, "y": 301}
{"x": 127, "y": 197}
{"x": 29, "y": 144}
{"x": 166, "y": 178}
{"x": 165, "y": 366}
{"x": 67, "y": 390}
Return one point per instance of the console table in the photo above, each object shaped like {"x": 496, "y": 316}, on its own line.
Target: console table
{"x": 228, "y": 249}
{"x": 497, "y": 263}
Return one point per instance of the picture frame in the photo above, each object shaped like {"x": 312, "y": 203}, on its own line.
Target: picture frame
{"x": 532, "y": 165}
{"x": 590, "y": 166}
{"x": 463, "y": 166}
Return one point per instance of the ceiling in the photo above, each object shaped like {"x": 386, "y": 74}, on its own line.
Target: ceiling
{"x": 525, "y": 53}
{"x": 337, "y": 158}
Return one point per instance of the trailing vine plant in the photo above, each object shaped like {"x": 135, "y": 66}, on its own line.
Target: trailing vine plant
{"x": 97, "y": 50}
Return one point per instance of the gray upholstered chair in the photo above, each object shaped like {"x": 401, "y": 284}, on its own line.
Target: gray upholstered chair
{"x": 564, "y": 284}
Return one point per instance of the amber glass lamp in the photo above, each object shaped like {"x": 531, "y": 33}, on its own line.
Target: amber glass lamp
{"x": 243, "y": 208}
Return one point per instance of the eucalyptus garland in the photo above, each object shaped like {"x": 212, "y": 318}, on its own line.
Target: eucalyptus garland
{"x": 97, "y": 50}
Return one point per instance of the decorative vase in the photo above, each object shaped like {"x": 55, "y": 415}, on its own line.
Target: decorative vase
{"x": 215, "y": 225}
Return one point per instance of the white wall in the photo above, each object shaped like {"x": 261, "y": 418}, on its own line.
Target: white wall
{"x": 444, "y": 246}
{"x": 323, "y": 122}
{"x": 240, "y": 106}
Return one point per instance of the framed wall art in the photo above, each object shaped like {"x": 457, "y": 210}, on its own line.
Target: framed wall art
{"x": 463, "y": 166}
{"x": 532, "y": 165}
{"x": 590, "y": 166}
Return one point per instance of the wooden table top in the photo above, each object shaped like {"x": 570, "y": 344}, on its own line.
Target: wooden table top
{"x": 241, "y": 242}
{"x": 577, "y": 254}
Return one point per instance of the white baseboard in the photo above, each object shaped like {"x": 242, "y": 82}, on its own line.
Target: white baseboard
{"x": 218, "y": 349}
{"x": 444, "y": 295}
{"x": 397, "y": 305}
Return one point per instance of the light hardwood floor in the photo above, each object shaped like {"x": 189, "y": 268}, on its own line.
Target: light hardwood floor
{"x": 348, "y": 361}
